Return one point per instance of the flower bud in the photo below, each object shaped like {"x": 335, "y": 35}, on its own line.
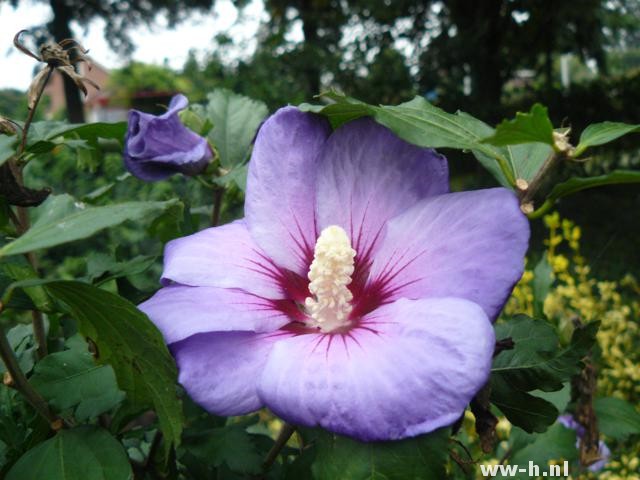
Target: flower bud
{"x": 157, "y": 147}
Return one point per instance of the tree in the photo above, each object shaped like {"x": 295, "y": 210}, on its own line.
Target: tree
{"x": 120, "y": 17}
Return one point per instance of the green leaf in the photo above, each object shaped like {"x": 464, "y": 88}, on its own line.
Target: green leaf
{"x": 194, "y": 118}
{"x": 83, "y": 453}
{"x": 420, "y": 123}
{"x": 527, "y": 159}
{"x": 230, "y": 445}
{"x": 576, "y": 184}
{"x": 102, "y": 267}
{"x": 235, "y": 119}
{"x": 341, "y": 458}
{"x": 344, "y": 110}
{"x": 531, "y": 127}
{"x": 131, "y": 344}
{"x": 71, "y": 379}
{"x": 7, "y": 150}
{"x": 42, "y": 134}
{"x": 529, "y": 412}
{"x": 64, "y": 220}
{"x": 19, "y": 271}
{"x": 617, "y": 418}
{"x": 237, "y": 175}
{"x": 542, "y": 282}
{"x": 557, "y": 443}
{"x": 535, "y": 363}
{"x": 601, "y": 133}
{"x": 22, "y": 343}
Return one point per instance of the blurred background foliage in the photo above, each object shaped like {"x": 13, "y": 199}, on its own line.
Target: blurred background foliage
{"x": 489, "y": 58}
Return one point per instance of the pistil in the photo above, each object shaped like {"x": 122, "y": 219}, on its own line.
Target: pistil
{"x": 329, "y": 275}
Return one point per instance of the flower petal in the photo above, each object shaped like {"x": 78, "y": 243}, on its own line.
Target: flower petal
{"x": 409, "y": 368}
{"x": 225, "y": 257}
{"x": 280, "y": 200}
{"x": 179, "y": 311}
{"x": 469, "y": 245}
{"x": 157, "y": 147}
{"x": 368, "y": 175}
{"x": 220, "y": 370}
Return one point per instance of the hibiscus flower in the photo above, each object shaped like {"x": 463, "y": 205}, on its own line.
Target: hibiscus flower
{"x": 158, "y": 146}
{"x": 357, "y": 294}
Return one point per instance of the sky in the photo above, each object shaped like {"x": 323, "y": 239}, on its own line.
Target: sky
{"x": 153, "y": 45}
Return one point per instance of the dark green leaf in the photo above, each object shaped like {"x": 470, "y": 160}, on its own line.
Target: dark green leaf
{"x": 557, "y": 443}
{"x": 537, "y": 362}
{"x": 235, "y": 120}
{"x": 531, "y": 127}
{"x": 102, "y": 268}
{"x": 230, "y": 445}
{"x": 71, "y": 379}
{"x": 64, "y": 220}
{"x": 601, "y": 133}
{"x": 531, "y": 413}
{"x": 22, "y": 343}
{"x": 577, "y": 184}
{"x": 341, "y": 458}
{"x": 617, "y": 418}
{"x": 560, "y": 398}
{"x": 7, "y": 149}
{"x": 20, "y": 271}
{"x": 84, "y": 453}
{"x": 130, "y": 343}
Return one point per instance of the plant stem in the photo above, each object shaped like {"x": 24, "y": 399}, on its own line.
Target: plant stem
{"x": 283, "y": 437}
{"x": 21, "y": 384}
{"x": 32, "y": 111}
{"x": 548, "y": 165}
{"x": 218, "y": 195}
{"x": 23, "y": 222}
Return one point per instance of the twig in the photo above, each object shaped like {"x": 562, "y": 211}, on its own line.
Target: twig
{"x": 218, "y": 194}
{"x": 283, "y": 437}
{"x": 32, "y": 111}
{"x": 22, "y": 385}
{"x": 23, "y": 222}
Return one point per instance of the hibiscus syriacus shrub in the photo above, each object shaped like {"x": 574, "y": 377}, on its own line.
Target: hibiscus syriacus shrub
{"x": 324, "y": 305}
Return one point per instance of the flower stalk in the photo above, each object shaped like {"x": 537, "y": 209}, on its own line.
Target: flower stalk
{"x": 283, "y": 437}
{"x": 218, "y": 195}
{"x": 19, "y": 381}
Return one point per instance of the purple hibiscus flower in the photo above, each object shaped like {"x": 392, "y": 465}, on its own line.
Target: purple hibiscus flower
{"x": 356, "y": 294}
{"x": 568, "y": 421}
{"x": 156, "y": 147}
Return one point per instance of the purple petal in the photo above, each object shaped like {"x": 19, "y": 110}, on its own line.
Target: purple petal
{"x": 225, "y": 257}
{"x": 368, "y": 175}
{"x": 410, "y": 367}
{"x": 220, "y": 370}
{"x": 280, "y": 200}
{"x": 469, "y": 245}
{"x": 605, "y": 455}
{"x": 157, "y": 147}
{"x": 179, "y": 311}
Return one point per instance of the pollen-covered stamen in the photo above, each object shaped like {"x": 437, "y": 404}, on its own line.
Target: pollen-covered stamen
{"x": 329, "y": 275}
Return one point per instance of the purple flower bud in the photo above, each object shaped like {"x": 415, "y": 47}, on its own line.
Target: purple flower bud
{"x": 157, "y": 147}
